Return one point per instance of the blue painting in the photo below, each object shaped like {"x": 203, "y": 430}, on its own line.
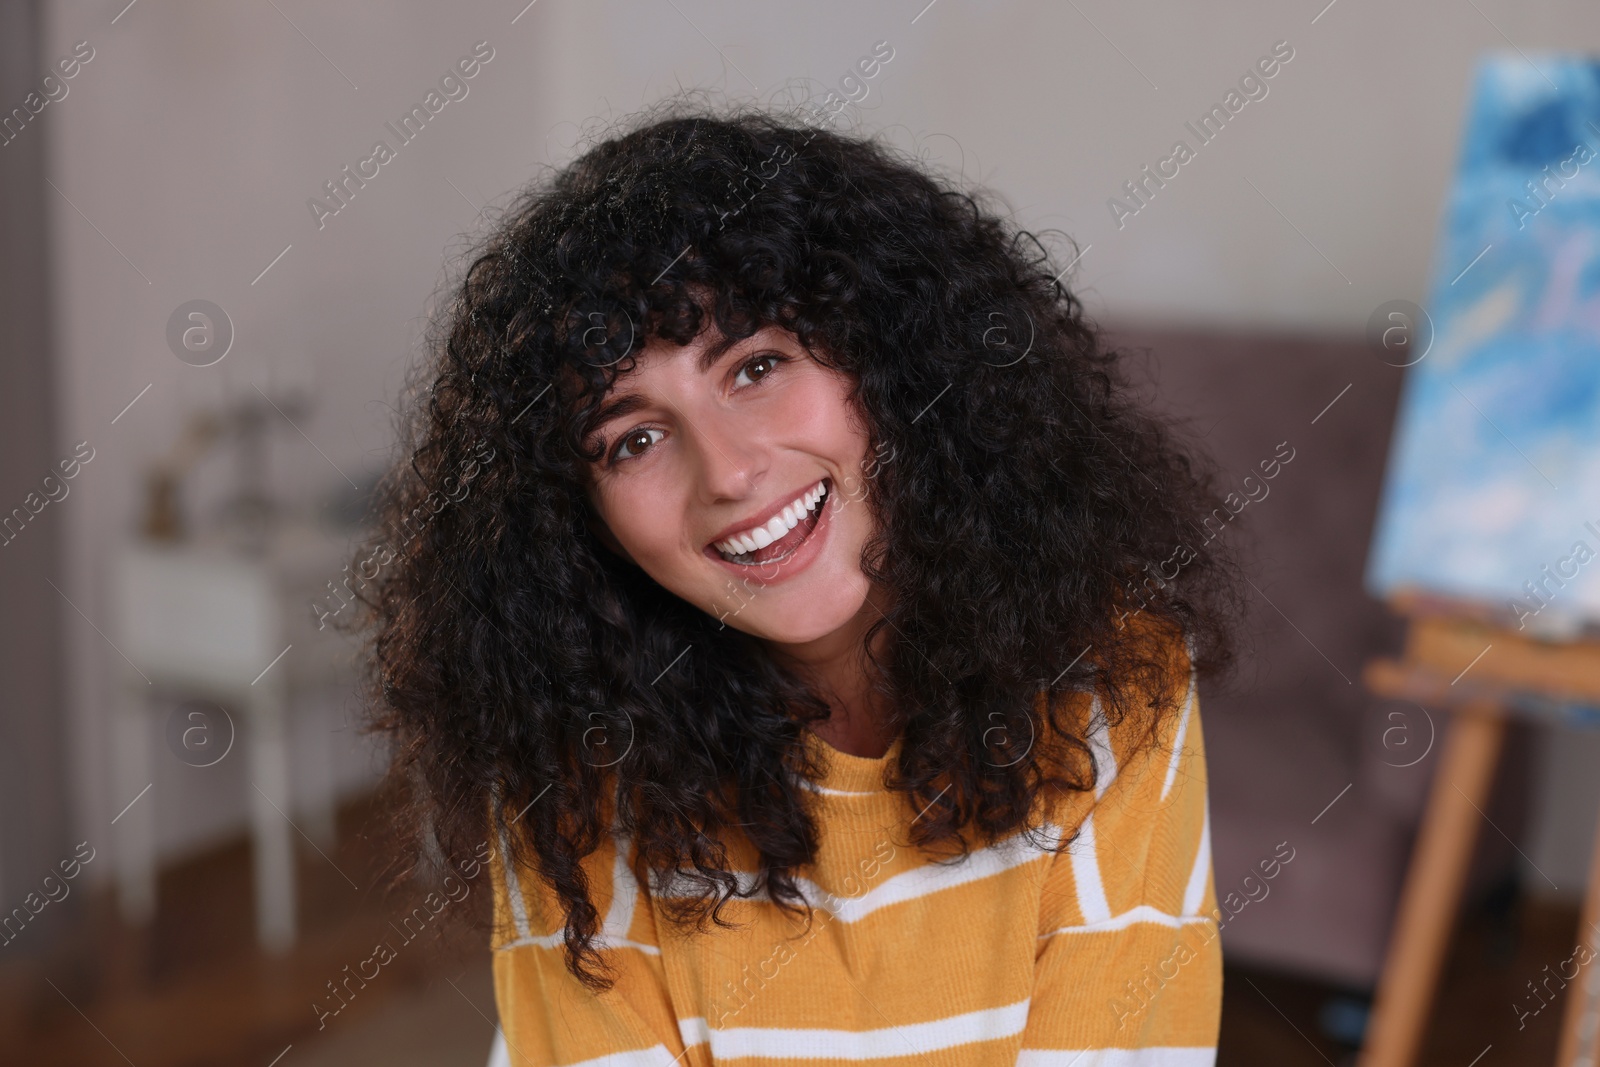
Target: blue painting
{"x": 1492, "y": 491}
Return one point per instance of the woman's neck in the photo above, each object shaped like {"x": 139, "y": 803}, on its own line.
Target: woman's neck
{"x": 835, "y": 665}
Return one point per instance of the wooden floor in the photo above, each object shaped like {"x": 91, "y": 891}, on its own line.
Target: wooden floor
{"x": 192, "y": 990}
{"x": 1499, "y": 947}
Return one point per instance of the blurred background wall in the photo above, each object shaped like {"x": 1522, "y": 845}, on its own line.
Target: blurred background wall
{"x": 187, "y": 148}
{"x": 180, "y": 164}
{"x": 35, "y": 790}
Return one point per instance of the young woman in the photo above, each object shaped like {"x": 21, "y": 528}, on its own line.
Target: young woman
{"x": 790, "y": 598}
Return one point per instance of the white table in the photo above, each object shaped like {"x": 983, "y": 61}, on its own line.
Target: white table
{"x": 202, "y": 621}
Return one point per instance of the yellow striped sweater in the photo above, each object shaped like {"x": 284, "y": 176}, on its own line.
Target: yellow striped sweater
{"x": 1102, "y": 955}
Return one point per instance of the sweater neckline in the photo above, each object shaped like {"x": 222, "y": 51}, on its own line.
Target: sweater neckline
{"x": 848, "y": 773}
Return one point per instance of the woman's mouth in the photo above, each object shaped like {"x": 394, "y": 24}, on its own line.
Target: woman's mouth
{"x": 781, "y": 536}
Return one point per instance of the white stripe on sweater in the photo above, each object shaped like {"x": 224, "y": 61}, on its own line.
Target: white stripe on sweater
{"x": 1092, "y": 901}
{"x": 1177, "y": 742}
{"x": 1014, "y": 851}
{"x": 655, "y": 1056}
{"x": 1143, "y": 913}
{"x": 519, "y": 914}
{"x": 806, "y": 783}
{"x": 909, "y": 1039}
{"x": 1085, "y": 852}
{"x": 613, "y": 932}
{"x": 1158, "y": 1056}
{"x": 1099, "y": 741}
{"x": 1195, "y": 891}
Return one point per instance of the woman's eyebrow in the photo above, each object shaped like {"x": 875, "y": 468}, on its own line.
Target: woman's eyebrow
{"x": 714, "y": 352}
{"x": 630, "y": 402}
{"x": 618, "y": 406}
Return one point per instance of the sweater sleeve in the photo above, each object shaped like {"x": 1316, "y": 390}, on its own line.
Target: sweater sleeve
{"x": 547, "y": 1016}
{"x": 1128, "y": 956}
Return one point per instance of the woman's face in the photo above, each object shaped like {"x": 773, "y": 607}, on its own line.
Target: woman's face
{"x": 734, "y": 478}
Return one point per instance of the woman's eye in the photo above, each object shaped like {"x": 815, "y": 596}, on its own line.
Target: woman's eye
{"x": 634, "y": 442}
{"x": 758, "y": 368}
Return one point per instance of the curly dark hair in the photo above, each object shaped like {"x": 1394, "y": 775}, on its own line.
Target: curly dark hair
{"x": 1026, "y": 506}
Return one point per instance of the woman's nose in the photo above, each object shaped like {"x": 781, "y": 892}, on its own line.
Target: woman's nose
{"x": 730, "y": 455}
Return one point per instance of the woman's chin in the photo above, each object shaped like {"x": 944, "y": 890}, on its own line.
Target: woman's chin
{"x": 803, "y": 621}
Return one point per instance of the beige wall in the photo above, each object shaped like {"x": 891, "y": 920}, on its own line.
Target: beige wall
{"x": 195, "y": 136}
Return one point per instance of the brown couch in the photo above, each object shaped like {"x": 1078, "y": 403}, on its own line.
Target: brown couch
{"x": 1295, "y": 727}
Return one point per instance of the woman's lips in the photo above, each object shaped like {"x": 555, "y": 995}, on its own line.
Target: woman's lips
{"x": 776, "y": 524}
{"x": 792, "y": 539}
{"x": 785, "y": 546}
{"x": 796, "y": 554}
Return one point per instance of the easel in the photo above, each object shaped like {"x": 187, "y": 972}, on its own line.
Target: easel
{"x": 1517, "y": 672}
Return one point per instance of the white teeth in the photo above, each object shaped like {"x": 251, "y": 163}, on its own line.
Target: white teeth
{"x": 762, "y": 536}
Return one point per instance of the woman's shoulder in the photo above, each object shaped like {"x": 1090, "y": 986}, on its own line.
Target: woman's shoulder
{"x": 527, "y": 905}
{"x": 1108, "y": 729}
{"x": 1158, "y": 690}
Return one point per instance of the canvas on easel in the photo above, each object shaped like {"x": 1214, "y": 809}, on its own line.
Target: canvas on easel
{"x": 1492, "y": 492}
{"x": 1488, "y": 534}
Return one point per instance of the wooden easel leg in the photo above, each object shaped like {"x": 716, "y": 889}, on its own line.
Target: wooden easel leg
{"x": 1580, "y": 1028}
{"x": 1433, "y": 886}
